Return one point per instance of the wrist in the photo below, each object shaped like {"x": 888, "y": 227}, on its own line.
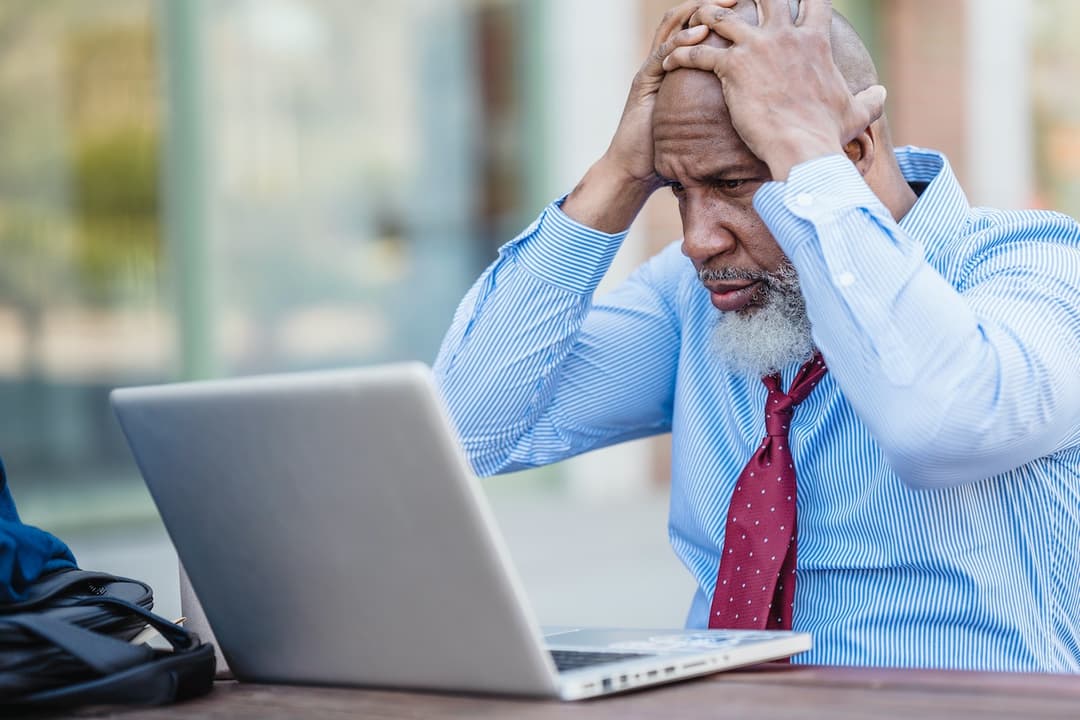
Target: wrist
{"x": 608, "y": 198}
{"x": 787, "y": 152}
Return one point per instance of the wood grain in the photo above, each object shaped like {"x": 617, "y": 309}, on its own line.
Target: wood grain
{"x": 766, "y": 692}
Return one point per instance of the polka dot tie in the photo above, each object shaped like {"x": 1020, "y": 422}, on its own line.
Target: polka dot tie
{"x": 755, "y": 587}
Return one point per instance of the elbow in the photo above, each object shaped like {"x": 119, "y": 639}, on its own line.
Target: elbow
{"x": 931, "y": 455}
{"x": 955, "y": 456}
{"x": 923, "y": 476}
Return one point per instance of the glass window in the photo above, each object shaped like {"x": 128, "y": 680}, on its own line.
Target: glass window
{"x": 1056, "y": 64}
{"x": 192, "y": 189}
{"x": 81, "y": 307}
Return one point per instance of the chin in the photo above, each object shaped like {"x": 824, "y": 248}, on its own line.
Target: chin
{"x": 748, "y": 311}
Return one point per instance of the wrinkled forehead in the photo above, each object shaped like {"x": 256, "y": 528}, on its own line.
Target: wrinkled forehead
{"x": 693, "y": 136}
{"x": 689, "y": 96}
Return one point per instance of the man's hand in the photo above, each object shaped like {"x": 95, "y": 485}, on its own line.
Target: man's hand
{"x": 787, "y": 99}
{"x": 617, "y": 186}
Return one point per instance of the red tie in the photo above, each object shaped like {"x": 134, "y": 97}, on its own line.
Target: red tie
{"x": 755, "y": 588}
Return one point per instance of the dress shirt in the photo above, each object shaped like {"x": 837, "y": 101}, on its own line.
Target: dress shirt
{"x": 938, "y": 461}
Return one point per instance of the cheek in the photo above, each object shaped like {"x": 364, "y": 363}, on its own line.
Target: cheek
{"x": 754, "y": 235}
{"x": 761, "y": 245}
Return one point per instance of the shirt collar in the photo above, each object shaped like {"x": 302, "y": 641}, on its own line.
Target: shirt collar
{"x": 942, "y": 208}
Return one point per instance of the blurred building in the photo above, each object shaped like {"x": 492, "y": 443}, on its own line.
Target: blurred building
{"x": 194, "y": 188}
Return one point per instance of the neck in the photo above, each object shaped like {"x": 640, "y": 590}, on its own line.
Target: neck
{"x": 894, "y": 192}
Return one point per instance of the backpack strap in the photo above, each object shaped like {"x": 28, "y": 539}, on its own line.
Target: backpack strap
{"x": 50, "y": 586}
{"x": 128, "y": 673}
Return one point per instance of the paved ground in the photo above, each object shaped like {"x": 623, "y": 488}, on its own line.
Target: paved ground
{"x": 582, "y": 562}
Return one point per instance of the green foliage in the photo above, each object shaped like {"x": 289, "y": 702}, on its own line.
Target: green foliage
{"x": 116, "y": 191}
{"x": 117, "y": 175}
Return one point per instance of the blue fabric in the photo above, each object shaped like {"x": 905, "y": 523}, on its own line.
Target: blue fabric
{"x": 938, "y": 461}
{"x": 26, "y": 553}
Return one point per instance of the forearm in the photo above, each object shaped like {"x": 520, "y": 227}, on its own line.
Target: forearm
{"x": 955, "y": 388}
{"x": 499, "y": 364}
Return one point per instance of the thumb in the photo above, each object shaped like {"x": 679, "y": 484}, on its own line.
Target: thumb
{"x": 872, "y": 102}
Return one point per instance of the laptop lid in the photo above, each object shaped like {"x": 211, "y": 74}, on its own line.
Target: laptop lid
{"x": 331, "y": 528}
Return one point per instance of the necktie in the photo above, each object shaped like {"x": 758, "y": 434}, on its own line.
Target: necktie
{"x": 755, "y": 586}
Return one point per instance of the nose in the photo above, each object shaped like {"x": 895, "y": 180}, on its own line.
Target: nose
{"x": 704, "y": 236}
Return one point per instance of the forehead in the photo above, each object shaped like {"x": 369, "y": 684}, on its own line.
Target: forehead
{"x": 692, "y": 130}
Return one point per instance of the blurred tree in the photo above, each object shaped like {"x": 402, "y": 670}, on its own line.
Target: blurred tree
{"x": 112, "y": 93}
{"x": 79, "y": 183}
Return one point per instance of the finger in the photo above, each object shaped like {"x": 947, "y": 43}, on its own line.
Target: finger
{"x": 698, "y": 17}
{"x": 727, "y": 23}
{"x": 872, "y": 102}
{"x": 684, "y": 38}
{"x": 670, "y": 22}
{"x": 698, "y": 57}
{"x": 815, "y": 13}
{"x": 676, "y": 18}
{"x": 773, "y": 13}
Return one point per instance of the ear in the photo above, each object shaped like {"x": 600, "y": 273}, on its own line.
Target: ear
{"x": 861, "y": 150}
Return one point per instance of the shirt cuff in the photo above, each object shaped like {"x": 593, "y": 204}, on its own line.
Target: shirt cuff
{"x": 815, "y": 193}
{"x": 565, "y": 253}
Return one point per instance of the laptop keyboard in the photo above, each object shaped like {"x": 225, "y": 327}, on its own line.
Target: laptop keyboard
{"x": 574, "y": 659}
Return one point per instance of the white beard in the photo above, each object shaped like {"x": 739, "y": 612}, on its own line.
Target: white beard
{"x": 768, "y": 338}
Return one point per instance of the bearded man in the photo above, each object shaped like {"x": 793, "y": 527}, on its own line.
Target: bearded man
{"x": 870, "y": 385}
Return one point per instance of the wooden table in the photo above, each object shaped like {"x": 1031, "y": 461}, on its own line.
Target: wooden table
{"x": 766, "y": 692}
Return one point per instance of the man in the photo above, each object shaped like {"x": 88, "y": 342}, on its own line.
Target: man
{"x": 910, "y": 358}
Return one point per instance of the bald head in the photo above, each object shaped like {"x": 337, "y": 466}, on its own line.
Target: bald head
{"x": 849, "y": 52}
{"x": 692, "y": 88}
{"x": 690, "y": 102}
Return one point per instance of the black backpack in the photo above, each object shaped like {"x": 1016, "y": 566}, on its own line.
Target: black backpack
{"x": 69, "y": 643}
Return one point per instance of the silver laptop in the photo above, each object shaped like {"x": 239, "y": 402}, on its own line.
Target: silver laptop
{"x": 334, "y": 534}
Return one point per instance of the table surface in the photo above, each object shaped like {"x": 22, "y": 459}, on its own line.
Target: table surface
{"x": 767, "y": 691}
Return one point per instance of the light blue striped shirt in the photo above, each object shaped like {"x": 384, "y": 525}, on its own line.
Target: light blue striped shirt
{"x": 938, "y": 462}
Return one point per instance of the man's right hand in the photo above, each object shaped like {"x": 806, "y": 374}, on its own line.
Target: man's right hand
{"x": 615, "y": 189}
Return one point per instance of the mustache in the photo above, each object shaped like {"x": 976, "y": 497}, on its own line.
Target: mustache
{"x": 784, "y": 276}
{"x": 707, "y": 274}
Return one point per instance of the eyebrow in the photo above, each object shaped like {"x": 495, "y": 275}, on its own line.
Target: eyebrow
{"x": 737, "y": 171}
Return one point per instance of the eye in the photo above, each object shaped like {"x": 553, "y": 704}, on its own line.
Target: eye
{"x": 731, "y": 184}
{"x": 676, "y": 188}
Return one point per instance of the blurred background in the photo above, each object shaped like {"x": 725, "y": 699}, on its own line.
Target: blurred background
{"x": 207, "y": 188}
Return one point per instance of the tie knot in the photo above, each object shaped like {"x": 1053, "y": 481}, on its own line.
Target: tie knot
{"x": 779, "y": 410}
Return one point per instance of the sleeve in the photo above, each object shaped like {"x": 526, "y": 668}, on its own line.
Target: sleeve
{"x": 956, "y": 384}
{"x": 532, "y": 371}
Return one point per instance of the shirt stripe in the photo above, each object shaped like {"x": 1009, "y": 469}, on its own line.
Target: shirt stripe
{"x": 938, "y": 461}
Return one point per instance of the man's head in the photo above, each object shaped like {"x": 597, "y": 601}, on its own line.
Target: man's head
{"x": 762, "y": 323}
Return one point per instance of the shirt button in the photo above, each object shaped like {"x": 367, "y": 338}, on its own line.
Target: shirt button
{"x": 845, "y": 279}
{"x": 804, "y": 199}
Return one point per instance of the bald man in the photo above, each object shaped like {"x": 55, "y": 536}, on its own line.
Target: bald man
{"x": 870, "y": 385}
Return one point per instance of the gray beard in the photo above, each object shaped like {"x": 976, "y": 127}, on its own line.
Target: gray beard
{"x": 768, "y": 338}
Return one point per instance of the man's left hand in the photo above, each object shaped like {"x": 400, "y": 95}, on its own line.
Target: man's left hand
{"x": 787, "y": 99}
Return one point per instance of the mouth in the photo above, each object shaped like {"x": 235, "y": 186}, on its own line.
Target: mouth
{"x": 733, "y": 296}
